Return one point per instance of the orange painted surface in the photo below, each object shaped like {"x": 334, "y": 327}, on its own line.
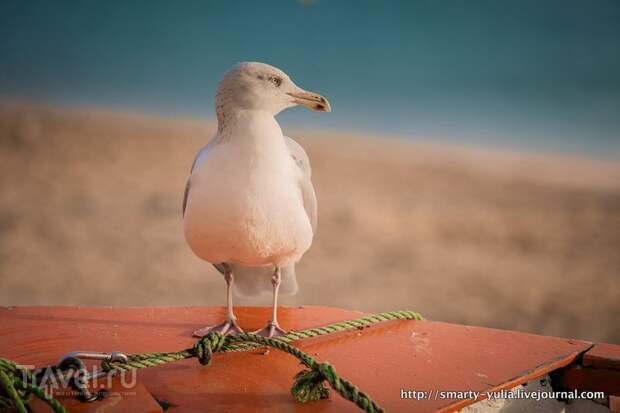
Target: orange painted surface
{"x": 118, "y": 400}
{"x": 382, "y": 360}
{"x": 603, "y": 355}
{"x": 599, "y": 370}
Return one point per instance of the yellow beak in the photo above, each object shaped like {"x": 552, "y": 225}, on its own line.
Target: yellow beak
{"x": 311, "y": 100}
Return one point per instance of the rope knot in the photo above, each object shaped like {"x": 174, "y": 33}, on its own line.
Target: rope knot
{"x": 206, "y": 346}
{"x": 309, "y": 384}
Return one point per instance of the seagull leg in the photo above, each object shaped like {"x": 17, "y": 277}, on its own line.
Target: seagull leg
{"x": 272, "y": 329}
{"x": 228, "y": 326}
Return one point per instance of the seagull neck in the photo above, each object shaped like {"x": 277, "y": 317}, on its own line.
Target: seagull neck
{"x": 246, "y": 122}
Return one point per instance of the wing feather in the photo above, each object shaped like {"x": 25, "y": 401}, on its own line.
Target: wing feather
{"x": 302, "y": 160}
{"x": 197, "y": 160}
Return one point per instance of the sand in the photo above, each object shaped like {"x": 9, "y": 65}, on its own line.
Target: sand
{"x": 90, "y": 214}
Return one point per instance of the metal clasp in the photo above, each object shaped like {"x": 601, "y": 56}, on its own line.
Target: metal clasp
{"x": 96, "y": 355}
{"x": 73, "y": 361}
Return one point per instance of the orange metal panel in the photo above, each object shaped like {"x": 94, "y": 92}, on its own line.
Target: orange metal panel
{"x": 118, "y": 400}
{"x": 606, "y": 356}
{"x": 599, "y": 371}
{"x": 593, "y": 379}
{"x": 383, "y": 360}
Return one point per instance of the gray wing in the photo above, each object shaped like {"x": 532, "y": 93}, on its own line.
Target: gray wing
{"x": 197, "y": 160}
{"x": 305, "y": 183}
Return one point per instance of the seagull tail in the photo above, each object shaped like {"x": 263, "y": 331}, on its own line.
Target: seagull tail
{"x": 254, "y": 281}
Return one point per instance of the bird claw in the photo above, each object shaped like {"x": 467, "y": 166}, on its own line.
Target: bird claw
{"x": 270, "y": 330}
{"x": 229, "y": 326}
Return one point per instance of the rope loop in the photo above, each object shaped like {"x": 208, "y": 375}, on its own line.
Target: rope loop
{"x": 207, "y": 345}
{"x": 309, "y": 385}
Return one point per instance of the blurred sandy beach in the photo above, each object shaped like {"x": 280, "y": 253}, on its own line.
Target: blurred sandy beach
{"x": 90, "y": 213}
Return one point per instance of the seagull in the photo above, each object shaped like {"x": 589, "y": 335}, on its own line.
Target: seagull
{"x": 249, "y": 207}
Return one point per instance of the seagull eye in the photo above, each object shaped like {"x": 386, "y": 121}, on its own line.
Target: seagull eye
{"x": 275, "y": 80}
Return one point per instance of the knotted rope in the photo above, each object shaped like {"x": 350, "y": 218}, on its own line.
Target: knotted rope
{"x": 308, "y": 384}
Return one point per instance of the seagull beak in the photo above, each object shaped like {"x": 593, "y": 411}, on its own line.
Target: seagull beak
{"x": 311, "y": 100}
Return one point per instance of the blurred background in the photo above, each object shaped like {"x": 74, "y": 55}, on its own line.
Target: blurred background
{"x": 469, "y": 169}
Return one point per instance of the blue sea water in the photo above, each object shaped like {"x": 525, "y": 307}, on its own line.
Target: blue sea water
{"x": 528, "y": 74}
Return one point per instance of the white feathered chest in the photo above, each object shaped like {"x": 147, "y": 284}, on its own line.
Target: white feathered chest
{"x": 245, "y": 205}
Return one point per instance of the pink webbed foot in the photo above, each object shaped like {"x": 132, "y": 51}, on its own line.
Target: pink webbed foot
{"x": 229, "y": 326}
{"x": 270, "y": 330}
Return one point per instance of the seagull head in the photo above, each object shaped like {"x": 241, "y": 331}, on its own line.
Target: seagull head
{"x": 259, "y": 86}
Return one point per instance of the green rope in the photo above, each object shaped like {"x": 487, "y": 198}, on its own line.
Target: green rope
{"x": 144, "y": 360}
{"x": 308, "y": 384}
{"x": 16, "y": 393}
